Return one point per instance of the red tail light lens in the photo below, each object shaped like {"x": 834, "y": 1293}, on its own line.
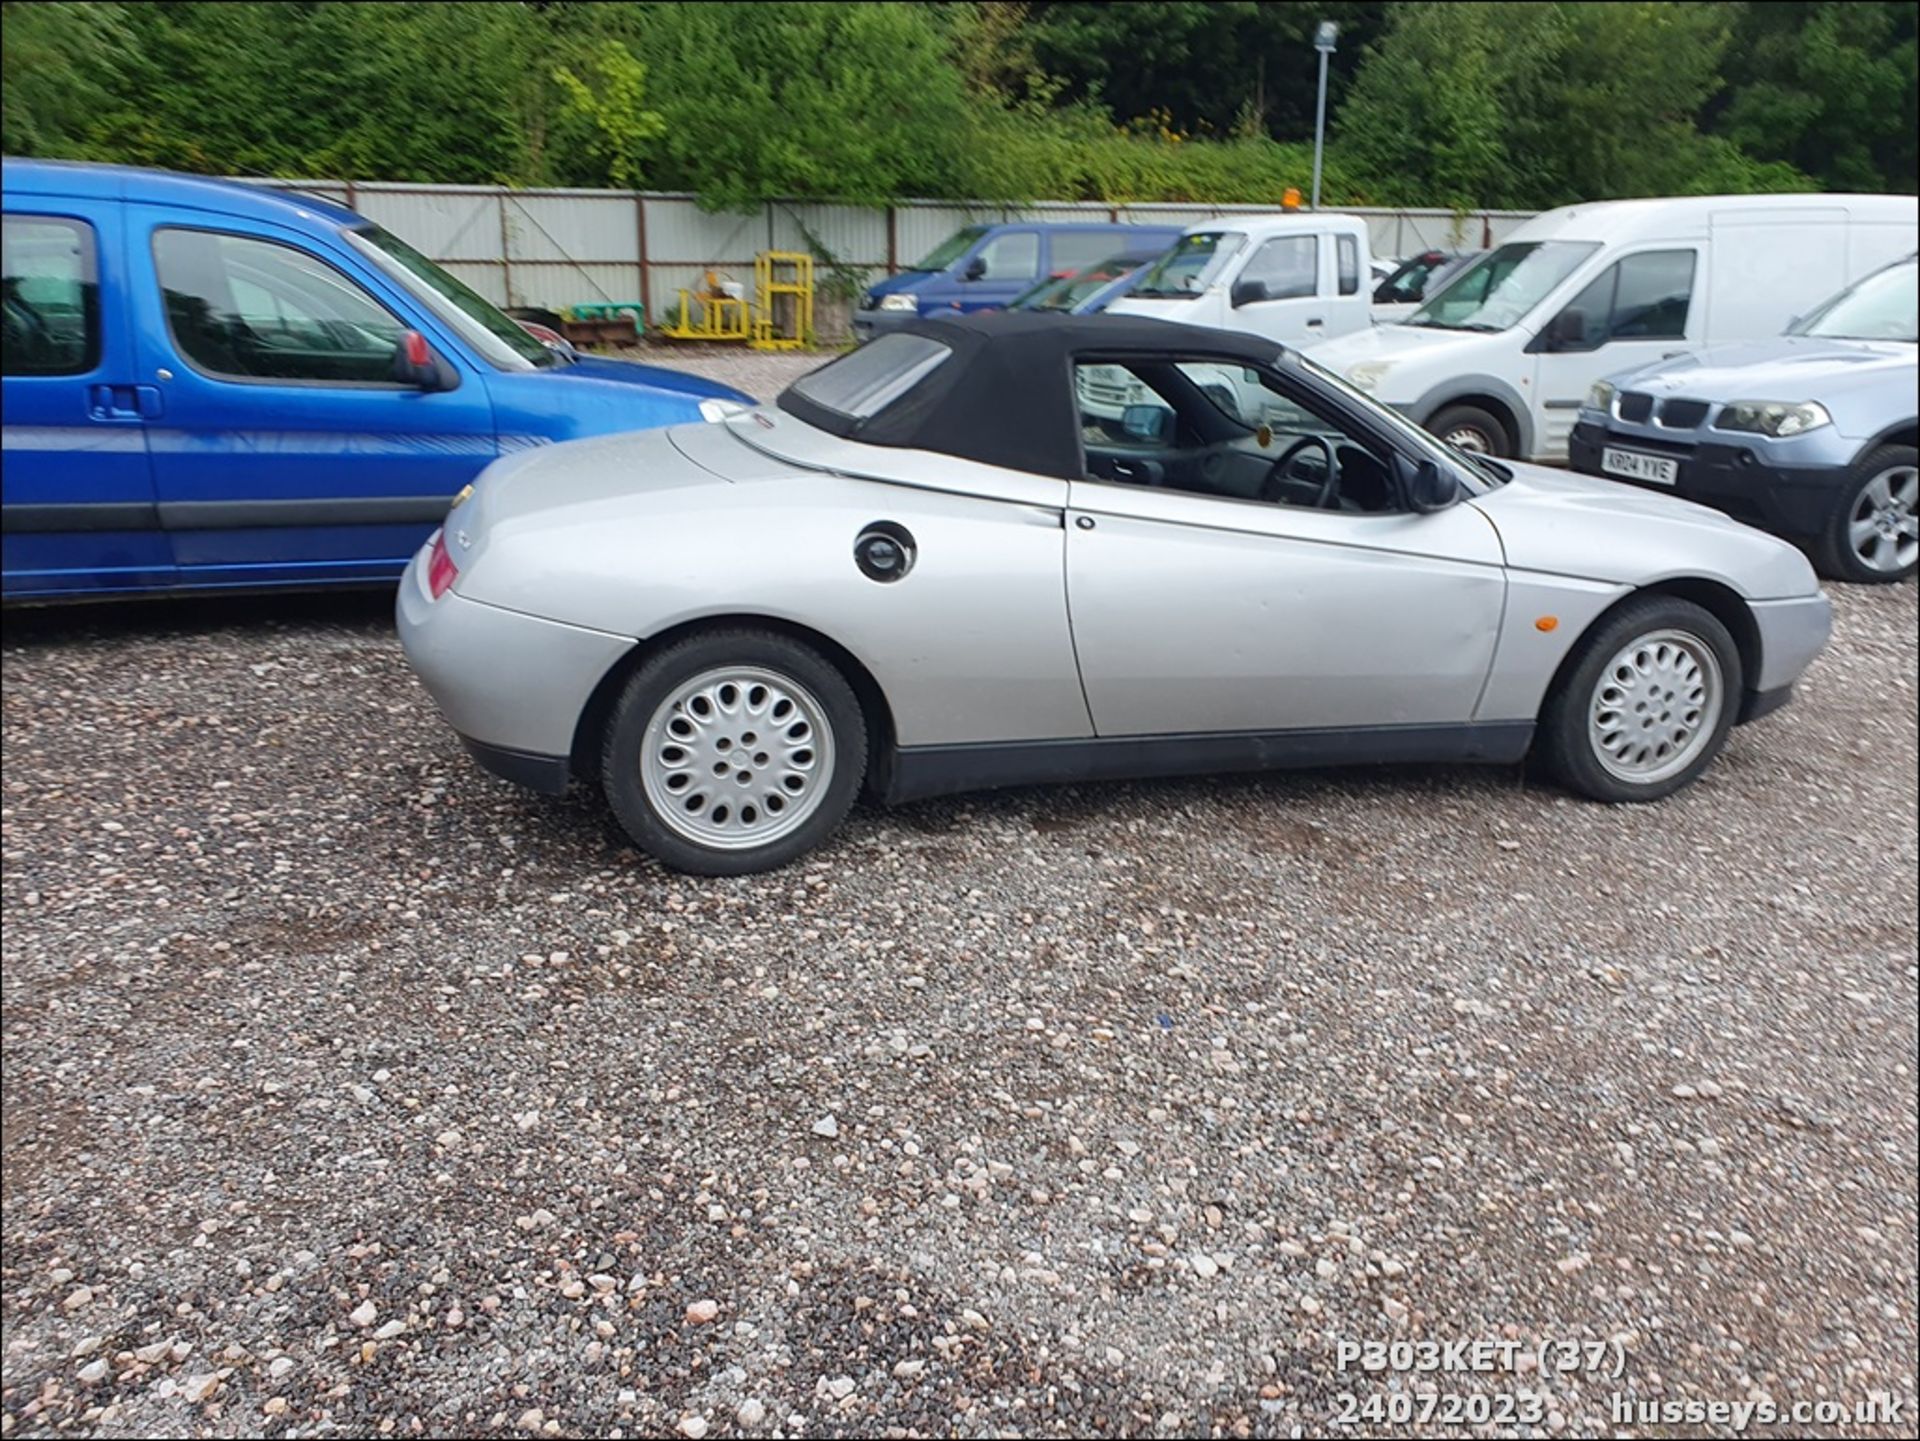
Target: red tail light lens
{"x": 441, "y": 572}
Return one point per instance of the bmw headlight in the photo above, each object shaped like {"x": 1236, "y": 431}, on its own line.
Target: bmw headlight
{"x": 1367, "y": 373}
{"x": 1600, "y": 397}
{"x": 1773, "y": 417}
{"x": 899, "y": 302}
{"x": 717, "y": 409}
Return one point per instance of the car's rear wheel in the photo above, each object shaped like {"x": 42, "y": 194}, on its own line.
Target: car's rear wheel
{"x": 1468, "y": 427}
{"x": 733, "y": 751}
{"x": 1874, "y": 533}
{"x": 1646, "y": 704}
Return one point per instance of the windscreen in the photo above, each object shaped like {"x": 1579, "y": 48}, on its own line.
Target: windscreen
{"x": 496, "y": 336}
{"x": 1190, "y": 267}
{"x": 1880, "y": 307}
{"x": 1499, "y": 288}
{"x": 951, "y": 249}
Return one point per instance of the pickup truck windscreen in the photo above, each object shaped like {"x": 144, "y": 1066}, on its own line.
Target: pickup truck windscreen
{"x": 1193, "y": 264}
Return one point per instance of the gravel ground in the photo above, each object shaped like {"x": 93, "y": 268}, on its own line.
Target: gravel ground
{"x": 348, "y": 1090}
{"x": 763, "y": 374}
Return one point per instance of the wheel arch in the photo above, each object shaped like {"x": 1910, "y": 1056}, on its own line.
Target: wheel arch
{"x": 1721, "y": 601}
{"x": 590, "y": 729}
{"x": 1494, "y": 396}
{"x": 1905, "y": 432}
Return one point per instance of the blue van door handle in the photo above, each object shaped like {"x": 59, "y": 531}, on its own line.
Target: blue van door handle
{"x": 124, "y": 402}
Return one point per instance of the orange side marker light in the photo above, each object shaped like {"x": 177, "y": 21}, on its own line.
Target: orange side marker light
{"x": 1547, "y": 622}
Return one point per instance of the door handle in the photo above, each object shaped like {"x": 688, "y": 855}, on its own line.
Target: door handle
{"x": 149, "y": 402}
{"x": 1315, "y": 323}
{"x": 115, "y": 402}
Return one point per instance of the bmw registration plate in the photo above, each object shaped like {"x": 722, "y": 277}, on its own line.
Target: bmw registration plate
{"x": 1632, "y": 465}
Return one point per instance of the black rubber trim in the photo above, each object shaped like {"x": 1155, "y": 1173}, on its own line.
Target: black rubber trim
{"x": 266, "y": 514}
{"x": 921, "y": 771}
{"x": 224, "y": 514}
{"x": 70, "y": 516}
{"x": 1757, "y": 703}
{"x": 547, "y": 774}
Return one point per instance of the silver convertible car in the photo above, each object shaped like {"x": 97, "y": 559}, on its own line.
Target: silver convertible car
{"x": 948, "y": 560}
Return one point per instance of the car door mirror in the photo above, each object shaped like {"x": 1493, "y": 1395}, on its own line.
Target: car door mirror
{"x": 415, "y": 364}
{"x": 1430, "y": 487}
{"x": 976, "y": 269}
{"x": 1150, "y": 423}
{"x": 1247, "y": 292}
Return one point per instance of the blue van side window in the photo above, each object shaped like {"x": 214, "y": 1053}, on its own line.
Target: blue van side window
{"x": 52, "y": 297}
{"x": 1013, "y": 256}
{"x": 246, "y": 309}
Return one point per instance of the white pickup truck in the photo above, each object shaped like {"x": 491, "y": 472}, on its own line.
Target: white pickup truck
{"x": 1299, "y": 277}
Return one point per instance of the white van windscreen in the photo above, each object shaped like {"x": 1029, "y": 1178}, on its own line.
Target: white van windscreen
{"x": 1498, "y": 289}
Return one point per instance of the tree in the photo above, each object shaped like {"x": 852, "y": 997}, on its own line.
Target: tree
{"x": 1539, "y": 105}
{"x": 1830, "y": 88}
{"x": 59, "y": 64}
{"x": 616, "y": 110}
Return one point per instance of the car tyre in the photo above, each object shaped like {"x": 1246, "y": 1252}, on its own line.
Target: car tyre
{"x": 733, "y": 751}
{"x": 1468, "y": 427}
{"x": 1646, "y": 703}
{"x": 1871, "y": 535}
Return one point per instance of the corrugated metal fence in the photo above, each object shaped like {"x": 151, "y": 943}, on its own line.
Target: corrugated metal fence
{"x": 556, "y": 248}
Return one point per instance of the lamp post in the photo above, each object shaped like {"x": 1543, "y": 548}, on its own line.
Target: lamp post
{"x": 1323, "y": 39}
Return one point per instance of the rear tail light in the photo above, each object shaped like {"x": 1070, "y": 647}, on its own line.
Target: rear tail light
{"x": 441, "y": 571}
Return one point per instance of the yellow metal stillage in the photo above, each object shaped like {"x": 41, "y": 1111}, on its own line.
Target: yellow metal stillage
{"x": 783, "y": 280}
{"x": 710, "y": 314}
{"x": 782, "y": 320}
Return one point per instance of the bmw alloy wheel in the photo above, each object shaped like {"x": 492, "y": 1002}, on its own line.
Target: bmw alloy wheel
{"x": 737, "y": 757}
{"x": 1655, "y": 706}
{"x": 1883, "y": 529}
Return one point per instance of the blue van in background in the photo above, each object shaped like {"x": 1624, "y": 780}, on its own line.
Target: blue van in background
{"x": 208, "y": 384}
{"x": 984, "y": 267}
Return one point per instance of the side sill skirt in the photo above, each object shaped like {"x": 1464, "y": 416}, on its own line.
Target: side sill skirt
{"x": 918, "y": 772}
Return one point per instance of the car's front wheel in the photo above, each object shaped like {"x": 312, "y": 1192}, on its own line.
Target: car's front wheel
{"x": 1646, "y": 704}
{"x": 1469, "y": 428}
{"x": 733, "y": 751}
{"x": 1874, "y": 533}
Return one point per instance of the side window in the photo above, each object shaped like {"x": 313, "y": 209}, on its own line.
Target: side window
{"x": 1221, "y": 429}
{"x": 1347, "y": 252}
{"x": 1656, "y": 290}
{"x": 1071, "y": 251}
{"x": 1013, "y": 256}
{"x": 1640, "y": 297}
{"x": 52, "y": 296}
{"x": 247, "y": 309}
{"x": 1289, "y": 267}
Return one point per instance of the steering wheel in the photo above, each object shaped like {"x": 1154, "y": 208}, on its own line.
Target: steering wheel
{"x": 1284, "y": 465}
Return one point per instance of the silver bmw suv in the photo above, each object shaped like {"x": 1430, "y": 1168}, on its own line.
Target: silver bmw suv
{"x": 1810, "y": 435}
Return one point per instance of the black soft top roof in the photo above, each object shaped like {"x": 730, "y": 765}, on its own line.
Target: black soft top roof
{"x": 1005, "y": 395}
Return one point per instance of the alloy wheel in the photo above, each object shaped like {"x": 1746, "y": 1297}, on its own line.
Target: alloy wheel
{"x": 1655, "y": 706}
{"x": 1883, "y": 530}
{"x": 737, "y": 757}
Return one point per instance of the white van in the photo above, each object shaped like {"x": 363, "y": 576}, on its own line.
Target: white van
{"x": 1501, "y": 357}
{"x": 1295, "y": 277}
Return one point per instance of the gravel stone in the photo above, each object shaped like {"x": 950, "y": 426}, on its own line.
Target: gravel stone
{"x": 1251, "y": 981}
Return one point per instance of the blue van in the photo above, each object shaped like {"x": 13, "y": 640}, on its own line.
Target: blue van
{"x": 983, "y": 267}
{"x": 208, "y": 384}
